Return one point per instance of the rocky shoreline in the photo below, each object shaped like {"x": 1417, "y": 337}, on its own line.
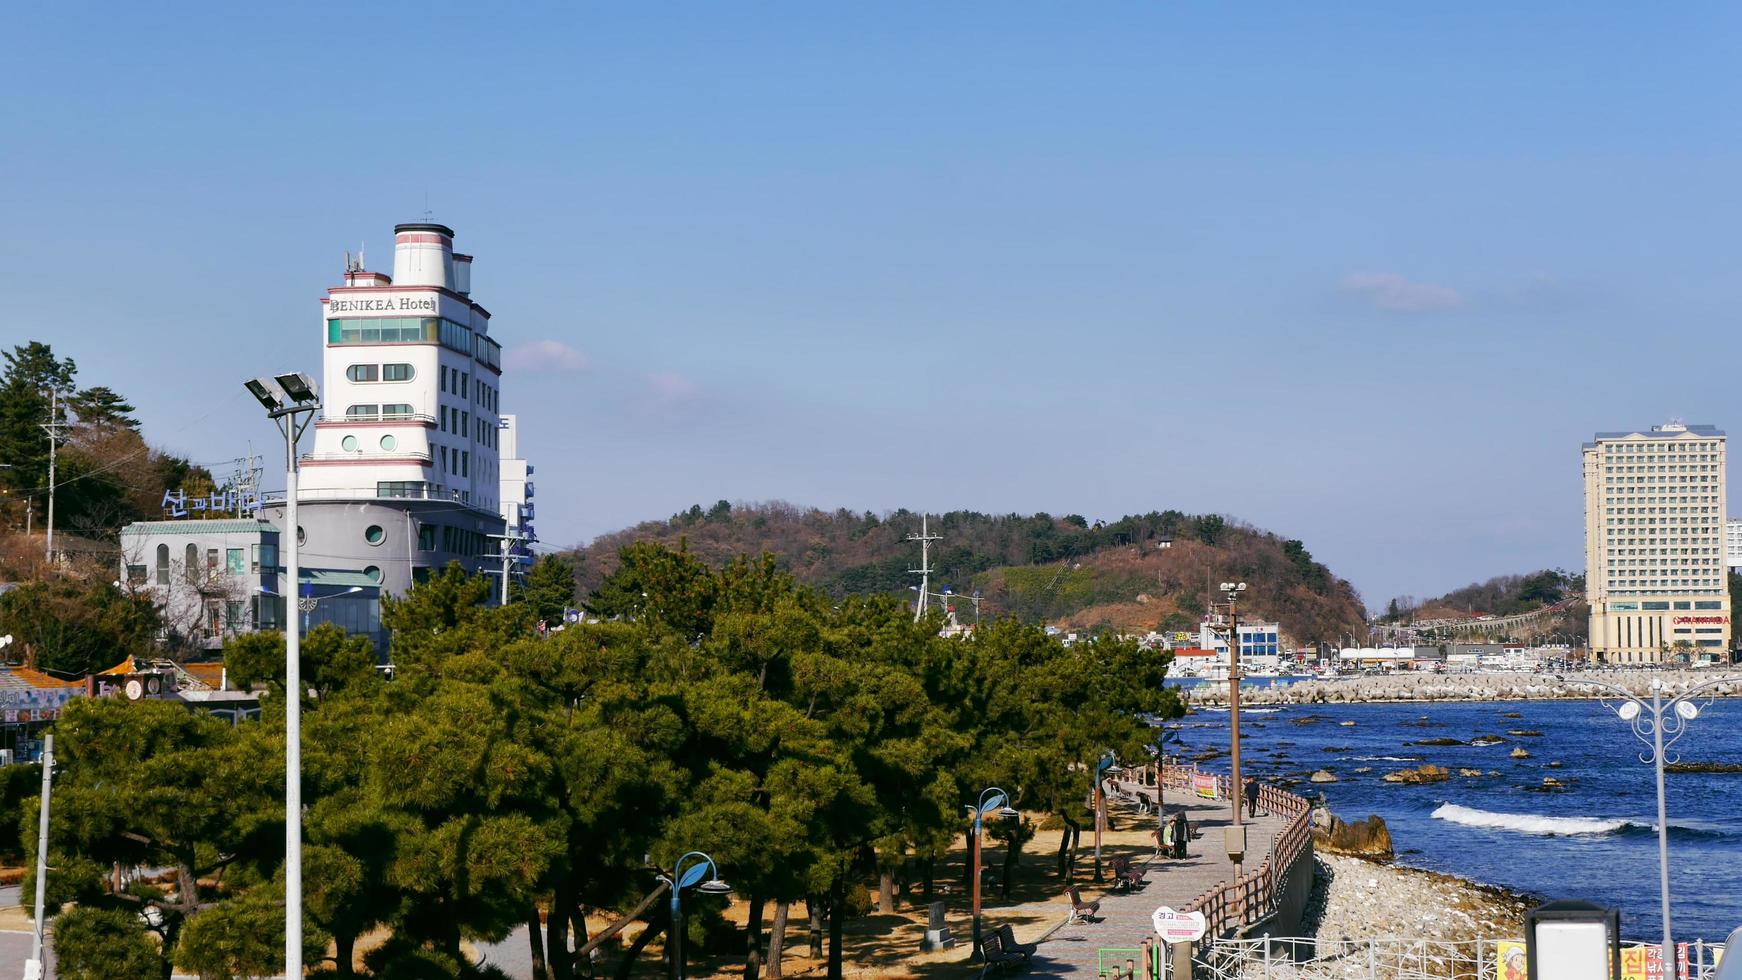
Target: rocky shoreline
{"x": 1464, "y": 687}
{"x": 1357, "y": 899}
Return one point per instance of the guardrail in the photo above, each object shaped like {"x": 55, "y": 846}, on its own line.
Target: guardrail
{"x": 1256, "y": 894}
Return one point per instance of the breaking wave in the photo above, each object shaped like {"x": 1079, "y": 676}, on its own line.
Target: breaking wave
{"x": 1528, "y": 823}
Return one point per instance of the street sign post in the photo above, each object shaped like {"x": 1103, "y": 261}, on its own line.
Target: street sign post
{"x": 1178, "y": 927}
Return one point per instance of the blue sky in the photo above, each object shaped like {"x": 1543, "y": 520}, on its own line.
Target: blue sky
{"x": 1364, "y": 274}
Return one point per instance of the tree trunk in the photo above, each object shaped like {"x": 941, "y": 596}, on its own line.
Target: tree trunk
{"x": 1012, "y": 850}
{"x": 753, "y": 939}
{"x": 886, "y": 891}
{"x": 776, "y": 940}
{"x": 579, "y": 966}
{"x": 344, "y": 949}
{"x": 837, "y": 912}
{"x": 635, "y": 948}
{"x": 814, "y": 905}
{"x": 929, "y": 871}
{"x": 1065, "y": 844}
{"x": 556, "y": 932}
{"x": 535, "y": 940}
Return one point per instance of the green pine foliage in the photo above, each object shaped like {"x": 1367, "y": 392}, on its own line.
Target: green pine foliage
{"x": 811, "y": 745}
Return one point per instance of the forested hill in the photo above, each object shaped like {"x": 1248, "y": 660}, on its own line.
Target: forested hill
{"x": 1060, "y": 570}
{"x": 1502, "y": 595}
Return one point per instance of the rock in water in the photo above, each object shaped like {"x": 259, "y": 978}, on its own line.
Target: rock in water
{"x": 1367, "y": 838}
{"x": 1462, "y": 772}
{"x": 1422, "y": 774}
{"x": 1322, "y": 776}
{"x": 1518, "y": 753}
{"x": 1345, "y": 724}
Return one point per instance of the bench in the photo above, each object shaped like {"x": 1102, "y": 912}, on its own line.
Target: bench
{"x": 996, "y": 957}
{"x": 1007, "y": 936}
{"x": 1125, "y": 877}
{"x": 1086, "y": 911}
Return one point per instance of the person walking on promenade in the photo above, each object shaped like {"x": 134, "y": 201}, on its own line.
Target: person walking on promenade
{"x": 1252, "y": 797}
{"x": 1180, "y": 833}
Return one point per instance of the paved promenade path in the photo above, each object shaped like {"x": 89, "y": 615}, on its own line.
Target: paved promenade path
{"x": 1073, "y": 951}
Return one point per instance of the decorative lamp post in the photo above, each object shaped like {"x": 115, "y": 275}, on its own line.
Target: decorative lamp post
{"x": 991, "y": 800}
{"x": 291, "y": 401}
{"x": 1658, "y": 724}
{"x": 1233, "y": 591}
{"x": 688, "y": 871}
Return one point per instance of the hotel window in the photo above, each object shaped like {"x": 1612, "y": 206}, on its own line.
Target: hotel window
{"x": 136, "y": 574}
{"x": 191, "y": 563}
{"x": 465, "y": 464}
{"x": 396, "y": 372}
{"x": 362, "y": 411}
{"x": 233, "y": 562}
{"x": 397, "y": 411}
{"x": 163, "y": 564}
{"x": 444, "y": 418}
{"x": 443, "y": 374}
{"x": 265, "y": 557}
{"x": 363, "y": 372}
{"x": 426, "y": 537}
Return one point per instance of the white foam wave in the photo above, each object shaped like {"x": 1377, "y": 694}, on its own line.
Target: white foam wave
{"x": 1527, "y": 823}
{"x": 1387, "y": 758}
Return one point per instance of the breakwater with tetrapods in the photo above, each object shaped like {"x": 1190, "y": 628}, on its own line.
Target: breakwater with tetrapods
{"x": 1496, "y": 686}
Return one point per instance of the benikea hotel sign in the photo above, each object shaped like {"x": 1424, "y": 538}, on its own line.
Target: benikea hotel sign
{"x": 389, "y": 305}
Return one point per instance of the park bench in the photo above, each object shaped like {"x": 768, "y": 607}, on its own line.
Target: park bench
{"x": 1086, "y": 911}
{"x": 1007, "y": 936}
{"x": 1125, "y": 877}
{"x": 996, "y": 957}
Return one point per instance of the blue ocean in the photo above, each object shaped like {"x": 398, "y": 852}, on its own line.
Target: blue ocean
{"x": 1594, "y": 840}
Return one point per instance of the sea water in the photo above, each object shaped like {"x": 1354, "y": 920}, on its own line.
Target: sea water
{"x": 1594, "y": 840}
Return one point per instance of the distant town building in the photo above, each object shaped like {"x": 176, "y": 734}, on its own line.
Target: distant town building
{"x": 1733, "y": 544}
{"x": 1655, "y": 548}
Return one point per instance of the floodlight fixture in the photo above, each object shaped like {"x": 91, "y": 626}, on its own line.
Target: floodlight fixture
{"x": 300, "y": 387}
{"x": 267, "y": 392}
{"x": 714, "y": 887}
{"x": 1687, "y": 709}
{"x": 1008, "y": 812}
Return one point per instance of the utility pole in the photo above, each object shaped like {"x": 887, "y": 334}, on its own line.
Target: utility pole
{"x": 53, "y": 428}
{"x": 925, "y": 538}
{"x": 33, "y": 968}
{"x": 510, "y": 540}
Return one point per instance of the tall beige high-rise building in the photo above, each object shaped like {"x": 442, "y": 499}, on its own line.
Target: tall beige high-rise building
{"x": 1654, "y": 545}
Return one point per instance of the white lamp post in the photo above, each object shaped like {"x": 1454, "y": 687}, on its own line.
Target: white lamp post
{"x": 291, "y": 401}
{"x": 1652, "y": 721}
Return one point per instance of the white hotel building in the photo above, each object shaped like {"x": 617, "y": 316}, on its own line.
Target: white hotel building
{"x": 1655, "y": 569}
{"x": 406, "y": 471}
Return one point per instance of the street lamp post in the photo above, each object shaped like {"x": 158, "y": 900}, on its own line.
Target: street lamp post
{"x": 688, "y": 871}
{"x": 1651, "y": 722}
{"x": 1233, "y": 591}
{"x": 291, "y": 401}
{"x": 991, "y": 799}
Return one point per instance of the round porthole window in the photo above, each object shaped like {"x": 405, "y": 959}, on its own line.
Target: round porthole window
{"x": 348, "y": 444}
{"x": 388, "y": 443}
{"x": 373, "y": 534}
{"x": 373, "y": 572}
{"x": 301, "y": 535}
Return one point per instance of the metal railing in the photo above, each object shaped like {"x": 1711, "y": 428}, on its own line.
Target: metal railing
{"x": 1255, "y": 895}
{"x": 1384, "y": 959}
